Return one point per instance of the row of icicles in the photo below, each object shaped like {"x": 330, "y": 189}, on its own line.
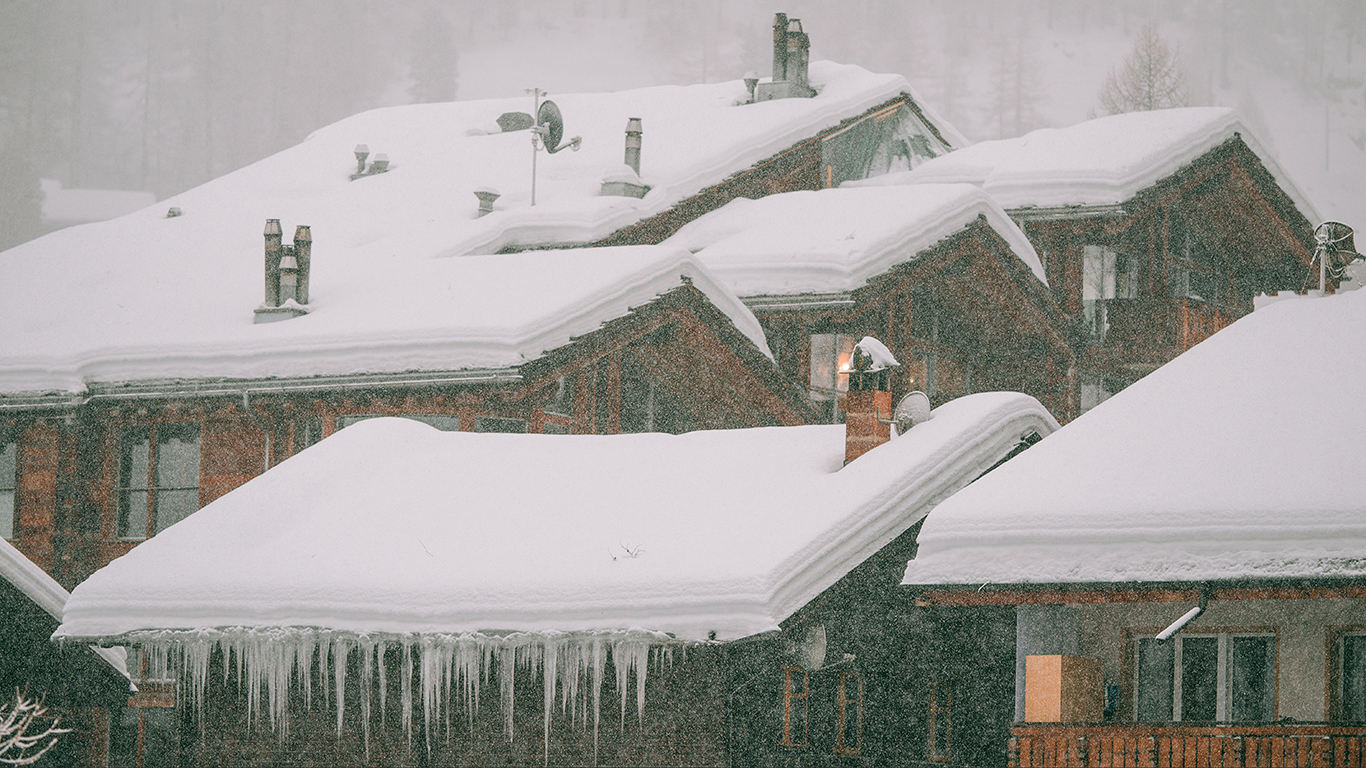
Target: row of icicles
{"x": 270, "y": 661}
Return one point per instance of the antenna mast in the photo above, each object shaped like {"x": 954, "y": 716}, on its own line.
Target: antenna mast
{"x": 536, "y": 131}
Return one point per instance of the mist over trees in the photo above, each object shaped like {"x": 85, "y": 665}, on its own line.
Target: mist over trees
{"x": 162, "y": 95}
{"x": 1151, "y": 78}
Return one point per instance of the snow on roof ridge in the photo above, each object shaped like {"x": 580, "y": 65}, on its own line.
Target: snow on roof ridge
{"x": 47, "y": 594}
{"x": 1103, "y": 161}
{"x": 776, "y": 522}
{"x": 774, "y": 246}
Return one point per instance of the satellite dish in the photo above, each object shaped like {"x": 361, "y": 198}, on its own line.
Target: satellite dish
{"x": 913, "y": 409}
{"x": 1336, "y": 239}
{"x": 549, "y": 118}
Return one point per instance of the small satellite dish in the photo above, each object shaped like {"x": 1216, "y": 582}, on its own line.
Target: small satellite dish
{"x": 913, "y": 409}
{"x": 549, "y": 118}
{"x": 1336, "y": 238}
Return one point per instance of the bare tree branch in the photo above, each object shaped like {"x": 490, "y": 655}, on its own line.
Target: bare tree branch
{"x": 17, "y": 745}
{"x": 1151, "y": 78}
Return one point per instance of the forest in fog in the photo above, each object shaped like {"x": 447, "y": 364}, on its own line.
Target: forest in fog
{"x": 162, "y": 95}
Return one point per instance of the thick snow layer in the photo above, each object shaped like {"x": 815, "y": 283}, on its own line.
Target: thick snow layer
{"x": 1238, "y": 459}
{"x": 146, "y": 296}
{"x": 84, "y": 205}
{"x": 836, "y": 239}
{"x": 165, "y": 313}
{"x": 1105, "y": 161}
{"x": 391, "y": 526}
{"x": 47, "y": 594}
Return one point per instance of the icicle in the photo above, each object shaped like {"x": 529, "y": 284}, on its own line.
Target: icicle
{"x": 599, "y": 662}
{"x": 303, "y": 661}
{"x": 550, "y": 652}
{"x": 383, "y": 684}
{"x": 367, "y": 681}
{"x": 406, "y": 689}
{"x": 340, "y": 650}
{"x": 507, "y": 666}
{"x": 430, "y": 669}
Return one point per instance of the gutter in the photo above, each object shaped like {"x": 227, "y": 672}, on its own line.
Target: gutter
{"x": 1066, "y": 212}
{"x": 241, "y": 387}
{"x": 800, "y": 301}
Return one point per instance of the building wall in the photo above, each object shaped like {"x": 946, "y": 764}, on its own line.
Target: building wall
{"x": 1304, "y": 631}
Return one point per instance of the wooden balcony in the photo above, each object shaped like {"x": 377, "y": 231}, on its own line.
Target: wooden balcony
{"x": 1155, "y": 330}
{"x": 1175, "y": 745}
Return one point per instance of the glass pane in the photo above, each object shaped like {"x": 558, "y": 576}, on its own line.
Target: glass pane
{"x": 1155, "y": 661}
{"x": 1126, "y": 276}
{"x": 174, "y": 506}
{"x": 443, "y": 422}
{"x": 136, "y": 452}
{"x": 160, "y": 742}
{"x": 133, "y": 515}
{"x": 491, "y": 424}
{"x": 178, "y": 456}
{"x": 6, "y": 514}
{"x": 9, "y": 453}
{"x": 307, "y": 432}
{"x": 1199, "y": 678}
{"x": 563, "y": 401}
{"x": 1252, "y": 670}
{"x": 1354, "y": 678}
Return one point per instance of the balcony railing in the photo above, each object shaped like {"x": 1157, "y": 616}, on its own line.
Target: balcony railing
{"x": 1157, "y": 325}
{"x": 1176, "y": 745}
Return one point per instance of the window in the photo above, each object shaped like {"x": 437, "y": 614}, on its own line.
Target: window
{"x": 147, "y": 732}
{"x": 940, "y": 748}
{"x": 1352, "y": 677}
{"x": 830, "y": 353}
{"x": 494, "y": 424}
{"x": 1191, "y": 269}
{"x": 894, "y": 139}
{"x": 562, "y": 402}
{"x": 849, "y": 715}
{"x": 1217, "y": 677}
{"x": 796, "y": 696}
{"x": 158, "y": 478}
{"x": 646, "y": 406}
{"x": 9, "y": 485}
{"x": 1106, "y": 275}
{"x": 442, "y": 421}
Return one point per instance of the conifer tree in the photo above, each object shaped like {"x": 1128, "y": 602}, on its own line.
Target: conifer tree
{"x": 1150, "y": 78}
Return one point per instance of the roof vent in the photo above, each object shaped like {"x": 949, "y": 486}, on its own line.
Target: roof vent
{"x": 486, "y": 197}
{"x": 287, "y": 273}
{"x": 172, "y": 212}
{"x": 791, "y": 55}
{"x": 625, "y": 182}
{"x": 378, "y": 165}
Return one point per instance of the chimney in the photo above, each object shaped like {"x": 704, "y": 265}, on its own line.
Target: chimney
{"x": 868, "y": 403}
{"x": 798, "y": 53}
{"x": 273, "y": 236}
{"x": 362, "y": 152}
{"x": 633, "y": 133}
{"x": 303, "y": 253}
{"x": 779, "y": 47}
{"x": 486, "y": 197}
{"x": 289, "y": 276}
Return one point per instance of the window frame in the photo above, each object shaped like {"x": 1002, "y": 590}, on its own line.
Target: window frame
{"x": 1337, "y": 672}
{"x": 124, "y": 490}
{"x": 842, "y": 702}
{"x": 9, "y": 481}
{"x": 789, "y": 696}
{"x": 937, "y": 711}
{"x": 1223, "y": 675}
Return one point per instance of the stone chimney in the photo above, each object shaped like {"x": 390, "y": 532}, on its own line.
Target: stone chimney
{"x": 791, "y": 51}
{"x": 286, "y": 274}
{"x": 868, "y": 403}
{"x": 633, "y": 133}
{"x": 303, "y": 254}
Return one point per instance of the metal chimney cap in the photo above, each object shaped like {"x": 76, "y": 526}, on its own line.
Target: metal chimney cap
{"x": 303, "y": 234}
{"x": 362, "y": 149}
{"x": 272, "y": 226}
{"x": 794, "y": 25}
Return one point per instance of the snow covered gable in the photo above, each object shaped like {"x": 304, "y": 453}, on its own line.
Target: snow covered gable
{"x": 1236, "y": 461}
{"x": 937, "y": 271}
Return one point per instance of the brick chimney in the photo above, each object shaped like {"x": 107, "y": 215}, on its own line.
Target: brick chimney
{"x": 868, "y": 403}
{"x": 286, "y": 272}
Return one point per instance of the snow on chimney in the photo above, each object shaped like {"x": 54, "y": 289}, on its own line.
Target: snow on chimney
{"x": 868, "y": 403}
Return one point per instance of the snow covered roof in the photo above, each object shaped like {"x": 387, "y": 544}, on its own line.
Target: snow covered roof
{"x": 390, "y": 526}
{"x": 1238, "y": 459}
{"x": 146, "y": 296}
{"x": 165, "y": 313}
{"x": 836, "y": 239}
{"x": 47, "y": 594}
{"x": 1105, "y": 161}
{"x": 78, "y": 206}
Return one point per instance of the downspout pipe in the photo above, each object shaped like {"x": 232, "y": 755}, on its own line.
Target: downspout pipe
{"x": 1188, "y": 617}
